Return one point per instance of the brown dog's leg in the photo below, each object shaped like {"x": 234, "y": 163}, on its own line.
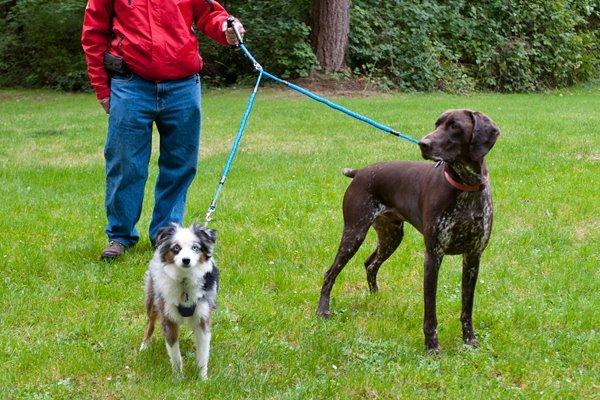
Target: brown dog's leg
{"x": 349, "y": 245}
{"x": 432, "y": 266}
{"x": 389, "y": 236}
{"x": 469, "y": 279}
{"x": 359, "y": 213}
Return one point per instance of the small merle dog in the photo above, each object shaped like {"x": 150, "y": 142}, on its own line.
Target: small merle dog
{"x": 181, "y": 288}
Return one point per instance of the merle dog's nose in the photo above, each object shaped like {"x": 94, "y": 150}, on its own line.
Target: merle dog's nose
{"x": 185, "y": 261}
{"x": 425, "y": 144}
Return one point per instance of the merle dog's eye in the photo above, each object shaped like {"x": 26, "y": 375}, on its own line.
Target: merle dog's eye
{"x": 176, "y": 248}
{"x": 196, "y": 248}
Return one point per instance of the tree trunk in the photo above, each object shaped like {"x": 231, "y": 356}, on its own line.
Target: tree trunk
{"x": 330, "y": 24}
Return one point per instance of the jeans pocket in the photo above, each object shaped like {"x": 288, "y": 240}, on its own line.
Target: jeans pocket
{"x": 121, "y": 77}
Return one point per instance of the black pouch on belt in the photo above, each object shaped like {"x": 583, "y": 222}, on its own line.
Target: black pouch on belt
{"x": 115, "y": 65}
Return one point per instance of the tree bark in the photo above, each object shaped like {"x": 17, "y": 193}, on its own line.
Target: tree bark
{"x": 330, "y": 25}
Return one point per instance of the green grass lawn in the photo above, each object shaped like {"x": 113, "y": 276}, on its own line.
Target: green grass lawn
{"x": 70, "y": 325}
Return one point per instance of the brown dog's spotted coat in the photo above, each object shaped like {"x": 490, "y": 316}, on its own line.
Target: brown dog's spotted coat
{"x": 452, "y": 221}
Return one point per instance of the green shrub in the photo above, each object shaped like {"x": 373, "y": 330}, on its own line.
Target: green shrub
{"x": 452, "y": 45}
{"x": 460, "y": 45}
{"x": 40, "y": 44}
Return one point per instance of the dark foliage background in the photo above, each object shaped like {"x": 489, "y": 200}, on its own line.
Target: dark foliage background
{"x": 453, "y": 45}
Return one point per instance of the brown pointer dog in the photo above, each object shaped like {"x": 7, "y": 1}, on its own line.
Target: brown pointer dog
{"x": 451, "y": 206}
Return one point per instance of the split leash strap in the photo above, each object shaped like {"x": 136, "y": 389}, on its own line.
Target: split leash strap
{"x": 232, "y": 152}
{"x": 240, "y": 133}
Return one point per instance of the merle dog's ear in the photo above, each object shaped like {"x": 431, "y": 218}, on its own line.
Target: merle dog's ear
{"x": 485, "y": 133}
{"x": 205, "y": 233}
{"x": 207, "y": 236}
{"x": 164, "y": 234}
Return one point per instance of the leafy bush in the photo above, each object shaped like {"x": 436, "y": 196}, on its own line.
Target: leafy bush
{"x": 279, "y": 42}
{"x": 40, "y": 44}
{"x": 453, "y": 45}
{"x": 457, "y": 45}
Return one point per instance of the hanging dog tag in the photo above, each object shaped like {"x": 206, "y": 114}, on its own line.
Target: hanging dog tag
{"x": 184, "y": 308}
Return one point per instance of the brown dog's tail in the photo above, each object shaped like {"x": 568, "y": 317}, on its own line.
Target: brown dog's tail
{"x": 350, "y": 173}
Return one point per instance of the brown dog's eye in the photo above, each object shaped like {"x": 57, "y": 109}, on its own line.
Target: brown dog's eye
{"x": 455, "y": 126}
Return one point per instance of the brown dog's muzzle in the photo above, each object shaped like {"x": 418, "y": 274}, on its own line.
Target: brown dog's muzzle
{"x": 427, "y": 145}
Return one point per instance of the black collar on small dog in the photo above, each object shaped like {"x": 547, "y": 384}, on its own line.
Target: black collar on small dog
{"x": 186, "y": 311}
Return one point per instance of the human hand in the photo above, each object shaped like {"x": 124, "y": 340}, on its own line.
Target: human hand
{"x": 230, "y": 34}
{"x": 105, "y": 103}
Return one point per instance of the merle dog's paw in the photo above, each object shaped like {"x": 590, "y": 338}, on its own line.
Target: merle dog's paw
{"x": 145, "y": 344}
{"x": 203, "y": 375}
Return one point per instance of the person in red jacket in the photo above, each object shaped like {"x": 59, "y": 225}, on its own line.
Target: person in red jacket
{"x": 143, "y": 63}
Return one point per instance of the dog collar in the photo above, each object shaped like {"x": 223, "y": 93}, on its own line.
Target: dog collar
{"x": 186, "y": 311}
{"x": 464, "y": 187}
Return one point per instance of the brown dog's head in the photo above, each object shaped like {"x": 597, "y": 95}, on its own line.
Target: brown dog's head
{"x": 460, "y": 135}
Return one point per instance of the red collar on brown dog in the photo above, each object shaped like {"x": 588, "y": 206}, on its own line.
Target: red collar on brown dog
{"x": 464, "y": 187}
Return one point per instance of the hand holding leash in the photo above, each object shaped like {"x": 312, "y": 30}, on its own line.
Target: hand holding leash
{"x": 234, "y": 31}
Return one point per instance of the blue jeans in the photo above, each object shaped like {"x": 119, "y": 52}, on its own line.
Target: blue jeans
{"x": 135, "y": 104}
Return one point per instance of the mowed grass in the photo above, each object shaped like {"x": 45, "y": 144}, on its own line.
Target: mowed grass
{"x": 70, "y": 325}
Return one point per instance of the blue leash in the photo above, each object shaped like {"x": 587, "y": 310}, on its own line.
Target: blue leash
{"x": 240, "y": 132}
{"x": 232, "y": 152}
{"x": 335, "y": 106}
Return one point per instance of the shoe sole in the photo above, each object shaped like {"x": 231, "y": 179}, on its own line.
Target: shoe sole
{"x": 110, "y": 257}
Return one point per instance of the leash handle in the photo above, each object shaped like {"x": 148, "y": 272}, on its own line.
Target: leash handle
{"x": 231, "y": 24}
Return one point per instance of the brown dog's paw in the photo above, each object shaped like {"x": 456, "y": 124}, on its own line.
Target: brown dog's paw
{"x": 472, "y": 342}
{"x": 324, "y": 313}
{"x": 434, "y": 351}
{"x": 432, "y": 346}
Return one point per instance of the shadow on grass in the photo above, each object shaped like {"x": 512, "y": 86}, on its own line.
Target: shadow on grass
{"x": 47, "y": 133}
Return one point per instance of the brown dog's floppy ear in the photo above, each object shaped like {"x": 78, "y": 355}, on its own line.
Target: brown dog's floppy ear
{"x": 485, "y": 133}
{"x": 164, "y": 234}
{"x": 443, "y": 117}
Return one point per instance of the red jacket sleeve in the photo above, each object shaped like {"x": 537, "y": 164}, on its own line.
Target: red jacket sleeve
{"x": 95, "y": 40}
{"x": 209, "y": 17}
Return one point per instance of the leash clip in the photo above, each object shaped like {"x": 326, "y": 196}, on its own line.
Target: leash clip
{"x": 208, "y": 216}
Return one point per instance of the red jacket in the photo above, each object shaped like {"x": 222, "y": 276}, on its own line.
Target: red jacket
{"x": 154, "y": 37}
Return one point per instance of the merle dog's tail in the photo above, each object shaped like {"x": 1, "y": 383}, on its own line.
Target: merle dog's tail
{"x": 350, "y": 173}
